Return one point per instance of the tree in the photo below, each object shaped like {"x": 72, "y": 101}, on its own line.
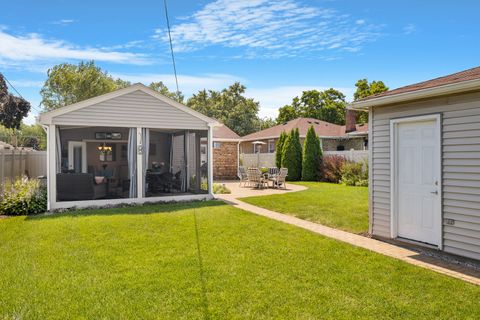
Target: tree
{"x": 229, "y": 106}
{"x": 290, "y": 156}
{"x": 312, "y": 155}
{"x": 12, "y": 109}
{"x": 163, "y": 89}
{"x": 279, "y": 149}
{"x": 68, "y": 83}
{"x": 265, "y": 123}
{"x": 328, "y": 105}
{"x": 31, "y": 136}
{"x": 365, "y": 89}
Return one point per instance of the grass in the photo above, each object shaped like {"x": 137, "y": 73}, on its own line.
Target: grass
{"x": 333, "y": 205}
{"x": 206, "y": 261}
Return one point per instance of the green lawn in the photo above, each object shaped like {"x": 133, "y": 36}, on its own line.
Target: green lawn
{"x": 213, "y": 262}
{"x": 333, "y": 205}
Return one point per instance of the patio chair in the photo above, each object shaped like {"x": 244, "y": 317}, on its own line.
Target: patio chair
{"x": 242, "y": 174}
{"x": 279, "y": 180}
{"x": 256, "y": 178}
{"x": 273, "y": 172}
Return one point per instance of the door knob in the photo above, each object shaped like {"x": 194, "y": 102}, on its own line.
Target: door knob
{"x": 434, "y": 192}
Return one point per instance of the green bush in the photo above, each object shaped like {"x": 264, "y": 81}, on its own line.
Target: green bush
{"x": 312, "y": 156}
{"x": 279, "y": 149}
{"x": 331, "y": 168}
{"x": 220, "y": 189}
{"x": 23, "y": 197}
{"x": 292, "y": 156}
{"x": 355, "y": 174}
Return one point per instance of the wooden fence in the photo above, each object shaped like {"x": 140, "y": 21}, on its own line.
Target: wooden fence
{"x": 15, "y": 163}
{"x": 350, "y": 155}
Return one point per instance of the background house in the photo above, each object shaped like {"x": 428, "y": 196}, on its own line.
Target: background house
{"x": 333, "y": 137}
{"x": 225, "y": 153}
{"x": 425, "y": 163}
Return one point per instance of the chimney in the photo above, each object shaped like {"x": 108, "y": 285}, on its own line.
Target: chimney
{"x": 350, "y": 121}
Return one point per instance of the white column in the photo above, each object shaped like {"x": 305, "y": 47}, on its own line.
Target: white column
{"x": 210, "y": 159}
{"x": 370, "y": 170}
{"x": 140, "y": 178}
{"x": 51, "y": 167}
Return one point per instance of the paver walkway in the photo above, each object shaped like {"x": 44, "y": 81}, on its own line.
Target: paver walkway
{"x": 410, "y": 256}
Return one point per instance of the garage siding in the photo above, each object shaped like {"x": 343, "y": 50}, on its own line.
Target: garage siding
{"x": 460, "y": 168}
{"x": 133, "y": 109}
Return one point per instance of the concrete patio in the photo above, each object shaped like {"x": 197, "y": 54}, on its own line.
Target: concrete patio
{"x": 240, "y": 192}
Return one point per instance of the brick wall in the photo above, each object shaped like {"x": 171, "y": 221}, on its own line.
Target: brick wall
{"x": 225, "y": 161}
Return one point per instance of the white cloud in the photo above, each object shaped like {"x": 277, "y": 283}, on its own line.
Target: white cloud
{"x": 64, "y": 22}
{"x": 266, "y": 26}
{"x": 409, "y": 29}
{"x": 271, "y": 99}
{"x": 188, "y": 84}
{"x": 27, "y": 83}
{"x": 17, "y": 50}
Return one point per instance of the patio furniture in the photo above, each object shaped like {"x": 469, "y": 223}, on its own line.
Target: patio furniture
{"x": 273, "y": 172}
{"x": 242, "y": 174}
{"x": 279, "y": 180}
{"x": 256, "y": 178}
{"x": 79, "y": 186}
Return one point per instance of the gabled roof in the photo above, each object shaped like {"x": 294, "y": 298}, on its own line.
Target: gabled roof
{"x": 222, "y": 132}
{"x": 46, "y": 117}
{"x": 322, "y": 128}
{"x": 457, "y": 82}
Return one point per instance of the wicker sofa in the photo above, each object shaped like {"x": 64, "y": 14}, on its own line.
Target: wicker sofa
{"x": 79, "y": 186}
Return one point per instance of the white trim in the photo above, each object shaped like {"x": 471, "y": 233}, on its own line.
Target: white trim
{"x": 370, "y": 173}
{"x": 52, "y": 171}
{"x": 210, "y": 160}
{"x": 140, "y": 154}
{"x": 393, "y": 171}
{"x": 417, "y": 94}
{"x": 106, "y": 202}
{"x": 47, "y": 117}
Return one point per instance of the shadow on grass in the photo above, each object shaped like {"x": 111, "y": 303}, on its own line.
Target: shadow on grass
{"x": 128, "y": 210}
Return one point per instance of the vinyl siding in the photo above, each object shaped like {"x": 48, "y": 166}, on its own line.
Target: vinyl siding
{"x": 460, "y": 168}
{"x": 135, "y": 109}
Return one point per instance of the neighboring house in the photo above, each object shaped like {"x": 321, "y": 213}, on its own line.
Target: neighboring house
{"x": 425, "y": 163}
{"x": 333, "y": 137}
{"x": 129, "y": 146}
{"x": 225, "y": 153}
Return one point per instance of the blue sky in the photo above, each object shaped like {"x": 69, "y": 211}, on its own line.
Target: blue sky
{"x": 276, "y": 48}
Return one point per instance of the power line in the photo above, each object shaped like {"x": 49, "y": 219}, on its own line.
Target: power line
{"x": 15, "y": 89}
{"x": 171, "y": 45}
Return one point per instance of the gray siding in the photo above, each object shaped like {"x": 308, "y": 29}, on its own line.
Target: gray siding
{"x": 134, "y": 109}
{"x": 460, "y": 168}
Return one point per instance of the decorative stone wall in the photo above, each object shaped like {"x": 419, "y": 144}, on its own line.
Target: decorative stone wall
{"x": 225, "y": 161}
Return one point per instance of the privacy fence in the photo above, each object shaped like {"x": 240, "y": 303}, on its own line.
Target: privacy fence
{"x": 16, "y": 163}
{"x": 268, "y": 159}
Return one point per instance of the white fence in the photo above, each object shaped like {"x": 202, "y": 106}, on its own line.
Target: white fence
{"x": 350, "y": 155}
{"x": 268, "y": 159}
{"x": 15, "y": 163}
{"x": 259, "y": 160}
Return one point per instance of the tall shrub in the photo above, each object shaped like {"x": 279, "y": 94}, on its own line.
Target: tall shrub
{"x": 279, "y": 149}
{"x": 311, "y": 156}
{"x": 23, "y": 197}
{"x": 298, "y": 152}
{"x": 290, "y": 159}
{"x": 331, "y": 168}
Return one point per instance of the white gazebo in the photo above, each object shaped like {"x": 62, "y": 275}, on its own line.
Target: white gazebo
{"x": 132, "y": 145}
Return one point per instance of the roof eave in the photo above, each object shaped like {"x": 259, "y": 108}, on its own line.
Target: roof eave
{"x": 416, "y": 95}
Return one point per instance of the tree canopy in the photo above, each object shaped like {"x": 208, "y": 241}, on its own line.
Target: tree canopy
{"x": 12, "y": 109}
{"x": 328, "y": 105}
{"x": 231, "y": 107}
{"x": 366, "y": 89}
{"x": 68, "y": 83}
{"x": 160, "y": 87}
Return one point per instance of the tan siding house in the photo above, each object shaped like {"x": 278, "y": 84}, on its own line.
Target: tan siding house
{"x": 425, "y": 163}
